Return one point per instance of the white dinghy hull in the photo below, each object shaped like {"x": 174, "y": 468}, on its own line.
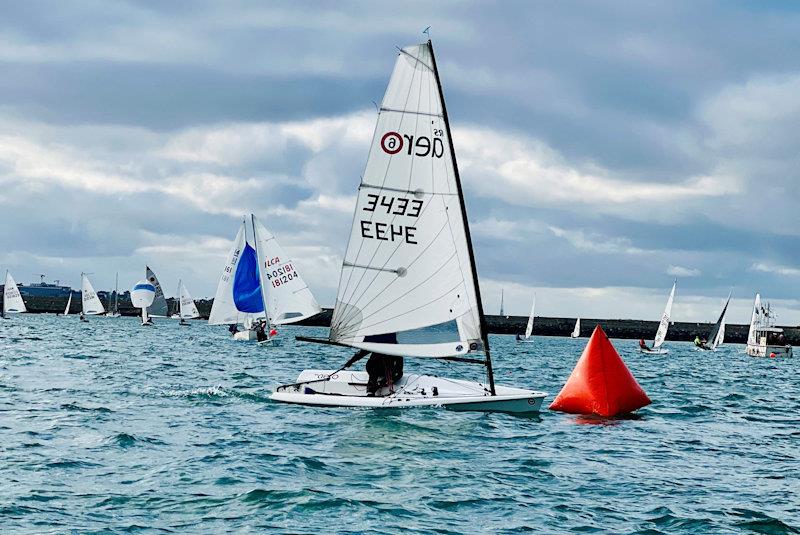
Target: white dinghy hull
{"x": 659, "y": 351}
{"x": 349, "y": 389}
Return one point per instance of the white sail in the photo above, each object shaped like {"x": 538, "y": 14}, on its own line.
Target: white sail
{"x": 90, "y": 303}
{"x": 69, "y": 303}
{"x": 576, "y": 332}
{"x": 754, "y": 321}
{"x": 529, "y": 327}
{"x": 12, "y": 299}
{"x": 287, "y": 296}
{"x": 186, "y": 307}
{"x": 159, "y": 306}
{"x": 661, "y": 333}
{"x": 224, "y": 309}
{"x": 720, "y": 335}
{"x": 502, "y": 299}
{"x": 714, "y": 335}
{"x": 408, "y": 270}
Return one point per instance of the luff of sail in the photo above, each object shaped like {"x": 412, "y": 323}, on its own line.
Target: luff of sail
{"x": 90, "y": 303}
{"x": 663, "y": 327}
{"x": 408, "y": 268}
{"x": 713, "y": 337}
{"x": 12, "y": 299}
{"x": 159, "y": 306}
{"x": 529, "y": 326}
{"x": 287, "y": 296}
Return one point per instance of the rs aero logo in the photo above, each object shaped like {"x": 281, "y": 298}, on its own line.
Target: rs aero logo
{"x": 393, "y": 143}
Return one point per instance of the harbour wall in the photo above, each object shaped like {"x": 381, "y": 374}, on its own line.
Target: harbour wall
{"x": 544, "y": 326}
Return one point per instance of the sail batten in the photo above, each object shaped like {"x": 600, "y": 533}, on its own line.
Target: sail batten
{"x": 409, "y": 239}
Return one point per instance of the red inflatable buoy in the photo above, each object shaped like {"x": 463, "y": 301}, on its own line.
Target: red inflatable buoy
{"x": 600, "y": 383}
{"x": 772, "y": 355}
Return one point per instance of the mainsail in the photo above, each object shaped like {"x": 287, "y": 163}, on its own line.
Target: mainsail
{"x": 287, "y": 296}
{"x": 576, "y": 332}
{"x": 661, "y": 333}
{"x": 713, "y": 337}
{"x": 187, "y": 309}
{"x": 159, "y": 306}
{"x": 529, "y": 327}
{"x": 12, "y": 299}
{"x": 69, "y": 303}
{"x": 90, "y": 303}
{"x": 238, "y": 298}
{"x": 754, "y": 321}
{"x": 408, "y": 284}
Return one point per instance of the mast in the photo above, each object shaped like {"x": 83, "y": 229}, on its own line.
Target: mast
{"x": 5, "y": 305}
{"x": 482, "y": 318}
{"x": 116, "y": 293}
{"x": 260, "y": 278}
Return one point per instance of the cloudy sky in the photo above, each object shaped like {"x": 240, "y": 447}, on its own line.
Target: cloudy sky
{"x": 605, "y": 148}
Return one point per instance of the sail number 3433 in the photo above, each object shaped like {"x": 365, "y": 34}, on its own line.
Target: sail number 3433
{"x": 394, "y": 206}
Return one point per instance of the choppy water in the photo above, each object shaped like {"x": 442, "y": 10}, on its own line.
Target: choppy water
{"x": 110, "y": 426}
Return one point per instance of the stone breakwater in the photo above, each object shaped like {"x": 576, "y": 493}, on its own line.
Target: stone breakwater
{"x": 544, "y": 326}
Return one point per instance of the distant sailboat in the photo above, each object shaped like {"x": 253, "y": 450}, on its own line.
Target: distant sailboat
{"x": 69, "y": 303}
{"x": 90, "y": 303}
{"x": 186, "y": 307}
{"x": 159, "y": 307}
{"x": 721, "y": 335}
{"x": 408, "y": 285}
{"x": 714, "y": 334}
{"x": 12, "y": 299}
{"x": 663, "y": 326}
{"x": 502, "y": 308}
{"x": 529, "y": 326}
{"x": 142, "y": 295}
{"x": 114, "y": 309}
{"x": 576, "y": 332}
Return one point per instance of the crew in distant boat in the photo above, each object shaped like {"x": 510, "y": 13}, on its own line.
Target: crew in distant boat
{"x": 700, "y": 342}
{"x": 83, "y": 316}
{"x": 261, "y": 334}
{"x": 643, "y": 345}
{"x": 383, "y": 370}
{"x": 233, "y": 328}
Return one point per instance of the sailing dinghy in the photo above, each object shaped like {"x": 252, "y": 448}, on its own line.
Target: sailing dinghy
{"x": 90, "y": 303}
{"x": 159, "y": 307}
{"x": 258, "y": 282}
{"x": 186, "y": 308}
{"x": 529, "y": 327}
{"x": 12, "y": 299}
{"x": 143, "y": 294}
{"x": 408, "y": 285}
{"x": 114, "y": 309}
{"x": 69, "y": 303}
{"x": 663, "y": 327}
{"x": 576, "y": 332}
{"x": 714, "y": 334}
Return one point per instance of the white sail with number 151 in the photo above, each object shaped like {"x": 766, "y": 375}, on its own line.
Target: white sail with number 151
{"x": 408, "y": 285}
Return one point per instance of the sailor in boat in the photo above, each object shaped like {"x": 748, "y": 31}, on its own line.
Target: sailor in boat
{"x": 701, "y": 343}
{"x": 383, "y": 371}
{"x": 643, "y": 345}
{"x": 233, "y": 329}
{"x": 83, "y": 317}
{"x": 519, "y": 337}
{"x": 261, "y": 334}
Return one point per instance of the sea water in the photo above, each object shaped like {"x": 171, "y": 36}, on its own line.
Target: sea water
{"x": 107, "y": 425}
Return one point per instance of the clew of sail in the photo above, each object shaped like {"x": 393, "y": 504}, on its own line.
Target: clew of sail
{"x": 714, "y": 334}
{"x": 408, "y": 267}
{"x": 529, "y": 326}
{"x": 186, "y": 307}
{"x": 159, "y": 306}
{"x": 661, "y": 333}
{"x": 287, "y": 296}
{"x": 90, "y": 303}
{"x": 754, "y": 321}
{"x": 12, "y": 299}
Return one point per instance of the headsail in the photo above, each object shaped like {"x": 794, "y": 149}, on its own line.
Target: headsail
{"x": 661, "y": 333}
{"x": 754, "y": 321}
{"x": 90, "y": 303}
{"x": 287, "y": 296}
{"x": 159, "y": 306}
{"x": 529, "y": 327}
{"x": 12, "y": 299}
{"x": 187, "y": 309}
{"x": 713, "y": 337}
{"x": 408, "y": 284}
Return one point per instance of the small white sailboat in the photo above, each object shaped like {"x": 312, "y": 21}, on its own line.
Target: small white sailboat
{"x": 113, "y": 310}
{"x": 142, "y": 295}
{"x": 576, "y": 332}
{"x": 720, "y": 335}
{"x": 764, "y": 338}
{"x": 714, "y": 334}
{"x": 69, "y": 303}
{"x": 12, "y": 299}
{"x": 663, "y": 327}
{"x": 90, "y": 303}
{"x": 408, "y": 285}
{"x": 529, "y": 327}
{"x": 186, "y": 308}
{"x": 502, "y": 299}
